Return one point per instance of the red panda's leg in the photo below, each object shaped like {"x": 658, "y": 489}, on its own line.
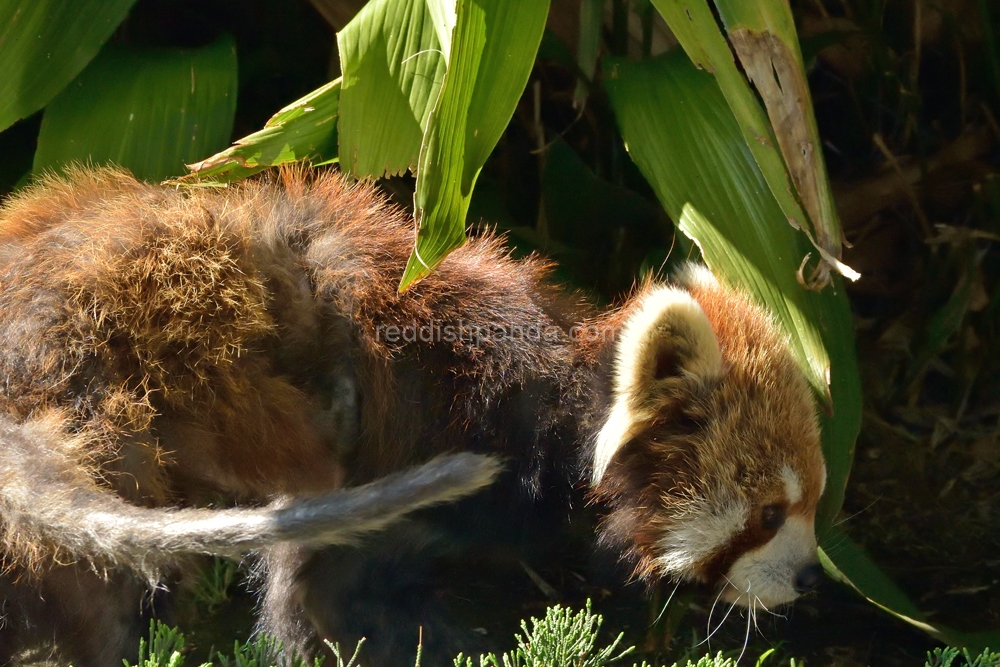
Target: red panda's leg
{"x": 282, "y": 614}
{"x": 94, "y": 621}
{"x": 386, "y": 589}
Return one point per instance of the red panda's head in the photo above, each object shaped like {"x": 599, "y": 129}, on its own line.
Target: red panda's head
{"x": 709, "y": 457}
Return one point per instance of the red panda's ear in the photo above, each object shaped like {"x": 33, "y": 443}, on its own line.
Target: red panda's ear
{"x": 666, "y": 336}
{"x": 666, "y": 339}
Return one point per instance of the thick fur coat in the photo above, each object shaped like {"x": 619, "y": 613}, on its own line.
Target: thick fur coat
{"x": 163, "y": 351}
{"x": 181, "y": 348}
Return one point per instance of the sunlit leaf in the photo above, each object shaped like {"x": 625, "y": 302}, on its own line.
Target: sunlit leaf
{"x": 393, "y": 55}
{"x": 679, "y": 130}
{"x": 44, "y": 44}
{"x": 848, "y": 563}
{"x": 681, "y": 133}
{"x": 492, "y": 51}
{"x": 304, "y": 130}
{"x": 150, "y": 111}
{"x": 696, "y": 29}
{"x": 393, "y": 59}
{"x": 764, "y": 38}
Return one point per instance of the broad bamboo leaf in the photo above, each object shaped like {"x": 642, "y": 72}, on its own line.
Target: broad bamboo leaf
{"x": 588, "y": 46}
{"x": 393, "y": 55}
{"x": 726, "y": 251}
{"x": 848, "y": 563}
{"x": 149, "y": 111}
{"x": 695, "y": 27}
{"x": 44, "y": 44}
{"x": 764, "y": 38}
{"x": 678, "y": 129}
{"x": 306, "y": 129}
{"x": 492, "y": 51}
{"x": 580, "y": 206}
{"x": 681, "y": 133}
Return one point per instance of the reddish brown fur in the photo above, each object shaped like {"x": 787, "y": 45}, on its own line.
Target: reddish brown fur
{"x": 164, "y": 310}
{"x": 192, "y": 346}
{"x": 730, "y": 436}
{"x": 139, "y": 271}
{"x": 184, "y": 347}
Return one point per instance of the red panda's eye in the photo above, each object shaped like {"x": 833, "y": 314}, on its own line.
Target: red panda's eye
{"x": 772, "y": 517}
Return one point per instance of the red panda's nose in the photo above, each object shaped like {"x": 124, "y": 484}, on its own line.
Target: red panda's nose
{"x": 808, "y": 578}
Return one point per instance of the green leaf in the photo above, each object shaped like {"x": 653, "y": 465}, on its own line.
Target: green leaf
{"x": 681, "y": 133}
{"x": 764, "y": 38}
{"x": 44, "y": 44}
{"x": 695, "y": 27}
{"x": 580, "y": 207}
{"x": 148, "y": 111}
{"x": 393, "y": 55}
{"x": 679, "y": 130}
{"x": 588, "y": 46}
{"x": 306, "y": 129}
{"x": 848, "y": 563}
{"x": 946, "y": 321}
{"x": 492, "y": 51}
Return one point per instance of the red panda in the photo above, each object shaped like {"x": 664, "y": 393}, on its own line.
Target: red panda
{"x": 704, "y": 381}
{"x": 168, "y": 348}
{"x": 159, "y": 354}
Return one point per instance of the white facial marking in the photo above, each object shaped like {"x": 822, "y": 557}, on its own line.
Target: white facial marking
{"x": 766, "y": 576}
{"x": 612, "y": 436}
{"x": 698, "y": 534}
{"x": 793, "y": 485}
{"x": 635, "y": 362}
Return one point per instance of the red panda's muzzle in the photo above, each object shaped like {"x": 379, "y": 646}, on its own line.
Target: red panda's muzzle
{"x": 777, "y": 572}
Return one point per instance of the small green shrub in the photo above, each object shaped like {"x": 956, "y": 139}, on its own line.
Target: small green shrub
{"x": 707, "y": 661}
{"x": 211, "y": 592}
{"x": 563, "y": 638}
{"x": 262, "y": 651}
{"x": 164, "y": 649}
{"x": 944, "y": 657}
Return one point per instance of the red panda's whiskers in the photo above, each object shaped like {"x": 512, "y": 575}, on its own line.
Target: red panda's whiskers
{"x": 758, "y": 603}
{"x": 666, "y": 604}
{"x": 861, "y": 511}
{"x": 708, "y": 625}
{"x": 753, "y": 611}
{"x": 751, "y": 615}
{"x": 732, "y": 605}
